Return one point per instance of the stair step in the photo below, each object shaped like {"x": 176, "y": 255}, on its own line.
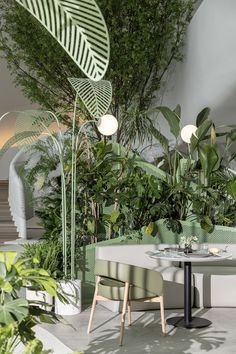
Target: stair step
{"x": 3, "y": 240}
{"x": 8, "y": 231}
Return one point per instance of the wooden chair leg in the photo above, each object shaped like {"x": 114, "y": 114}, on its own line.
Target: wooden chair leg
{"x": 93, "y": 305}
{"x": 129, "y": 313}
{"x": 122, "y": 325}
{"x": 163, "y": 325}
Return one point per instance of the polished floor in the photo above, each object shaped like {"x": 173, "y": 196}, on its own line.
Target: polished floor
{"x": 145, "y": 336}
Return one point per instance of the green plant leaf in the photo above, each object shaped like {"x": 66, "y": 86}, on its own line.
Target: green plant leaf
{"x": 13, "y": 310}
{"x": 8, "y": 257}
{"x": 202, "y": 116}
{"x": 200, "y": 134}
{"x": 114, "y": 215}
{"x": 79, "y": 27}
{"x": 5, "y": 286}
{"x": 230, "y": 138}
{"x": 91, "y": 226}
{"x": 231, "y": 188}
{"x": 149, "y": 229}
{"x": 47, "y": 283}
{"x": 177, "y": 110}
{"x": 207, "y": 225}
{"x": 96, "y": 96}
{"x": 161, "y": 138}
{"x": 210, "y": 158}
{"x": 150, "y": 169}
{"x": 172, "y": 118}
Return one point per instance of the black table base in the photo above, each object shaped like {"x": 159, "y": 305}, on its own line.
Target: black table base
{"x": 187, "y": 321}
{"x": 196, "y": 322}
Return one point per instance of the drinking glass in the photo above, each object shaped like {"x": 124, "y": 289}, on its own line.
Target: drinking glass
{"x": 204, "y": 248}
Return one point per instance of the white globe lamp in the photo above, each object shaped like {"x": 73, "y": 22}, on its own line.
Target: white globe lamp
{"x": 187, "y": 132}
{"x": 108, "y": 125}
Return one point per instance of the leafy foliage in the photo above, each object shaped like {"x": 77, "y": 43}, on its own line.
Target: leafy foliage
{"x": 145, "y": 38}
{"x": 17, "y": 315}
{"x": 46, "y": 255}
{"x": 198, "y": 182}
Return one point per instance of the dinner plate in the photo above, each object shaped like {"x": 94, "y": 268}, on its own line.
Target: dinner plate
{"x": 199, "y": 255}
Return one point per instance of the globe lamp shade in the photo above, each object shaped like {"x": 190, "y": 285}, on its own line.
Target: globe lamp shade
{"x": 108, "y": 125}
{"x": 187, "y": 132}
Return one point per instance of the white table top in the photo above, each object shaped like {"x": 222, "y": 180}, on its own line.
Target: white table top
{"x": 191, "y": 257}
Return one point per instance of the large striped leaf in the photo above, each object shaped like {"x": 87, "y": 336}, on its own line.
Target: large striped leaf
{"x": 29, "y": 126}
{"x": 96, "y": 96}
{"x": 33, "y": 120}
{"x": 79, "y": 27}
{"x": 19, "y": 139}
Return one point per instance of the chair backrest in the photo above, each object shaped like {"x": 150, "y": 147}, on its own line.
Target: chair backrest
{"x": 141, "y": 277}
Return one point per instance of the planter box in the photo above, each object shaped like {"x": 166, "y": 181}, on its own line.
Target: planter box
{"x": 221, "y": 234}
{"x": 42, "y": 296}
{"x": 72, "y": 290}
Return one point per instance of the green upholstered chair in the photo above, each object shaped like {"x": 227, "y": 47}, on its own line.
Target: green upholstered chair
{"x": 125, "y": 282}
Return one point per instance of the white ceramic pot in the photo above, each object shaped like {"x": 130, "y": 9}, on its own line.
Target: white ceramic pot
{"x": 72, "y": 290}
{"x": 43, "y": 296}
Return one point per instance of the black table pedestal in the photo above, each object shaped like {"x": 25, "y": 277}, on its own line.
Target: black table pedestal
{"x": 187, "y": 321}
{"x": 196, "y": 322}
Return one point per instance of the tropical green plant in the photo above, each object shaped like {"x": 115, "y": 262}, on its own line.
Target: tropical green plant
{"x": 146, "y": 38}
{"x": 45, "y": 254}
{"x": 96, "y": 180}
{"x": 198, "y": 182}
{"x": 18, "y": 316}
{"x": 137, "y": 201}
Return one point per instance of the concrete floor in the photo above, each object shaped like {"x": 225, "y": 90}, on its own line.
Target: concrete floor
{"x": 145, "y": 336}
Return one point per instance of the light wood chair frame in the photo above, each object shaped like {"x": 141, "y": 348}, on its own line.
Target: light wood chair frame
{"x": 126, "y": 305}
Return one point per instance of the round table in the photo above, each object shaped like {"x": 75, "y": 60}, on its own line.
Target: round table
{"x": 188, "y": 321}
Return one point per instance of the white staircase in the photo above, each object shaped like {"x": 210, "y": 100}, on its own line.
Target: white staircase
{"x": 8, "y": 230}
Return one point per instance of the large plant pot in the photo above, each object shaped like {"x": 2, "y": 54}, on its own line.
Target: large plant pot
{"x": 221, "y": 234}
{"x": 72, "y": 290}
{"x": 42, "y": 296}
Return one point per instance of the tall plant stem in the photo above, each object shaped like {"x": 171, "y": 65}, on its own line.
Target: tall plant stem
{"x": 73, "y": 192}
{"x": 74, "y": 145}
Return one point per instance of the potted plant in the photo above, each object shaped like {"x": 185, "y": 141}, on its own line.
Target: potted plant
{"x": 198, "y": 186}
{"x": 45, "y": 255}
{"x": 18, "y": 316}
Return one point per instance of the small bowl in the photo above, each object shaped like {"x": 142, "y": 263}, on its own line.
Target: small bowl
{"x": 214, "y": 251}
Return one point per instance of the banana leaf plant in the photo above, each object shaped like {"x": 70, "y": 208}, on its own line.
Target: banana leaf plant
{"x": 199, "y": 182}
{"x": 18, "y": 316}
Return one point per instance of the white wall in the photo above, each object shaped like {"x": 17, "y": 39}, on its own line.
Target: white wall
{"x": 11, "y": 99}
{"x": 207, "y": 76}
{"x": 5, "y": 163}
